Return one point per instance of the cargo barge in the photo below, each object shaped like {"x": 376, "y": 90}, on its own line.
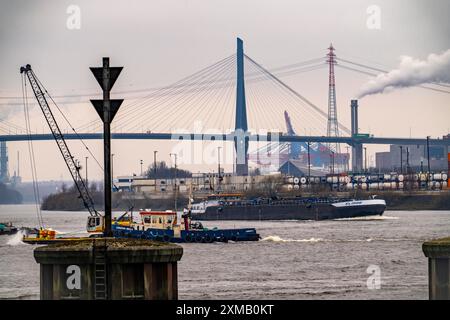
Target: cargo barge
{"x": 228, "y": 207}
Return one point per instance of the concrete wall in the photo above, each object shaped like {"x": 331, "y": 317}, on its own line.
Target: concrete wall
{"x": 438, "y": 254}
{"x": 135, "y": 269}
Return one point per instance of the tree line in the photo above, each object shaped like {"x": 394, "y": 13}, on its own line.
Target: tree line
{"x": 9, "y": 196}
{"x": 162, "y": 171}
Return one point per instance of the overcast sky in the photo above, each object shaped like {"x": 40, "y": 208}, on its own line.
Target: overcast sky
{"x": 159, "y": 42}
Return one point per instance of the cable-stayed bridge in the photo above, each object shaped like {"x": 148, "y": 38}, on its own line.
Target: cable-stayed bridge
{"x": 235, "y": 98}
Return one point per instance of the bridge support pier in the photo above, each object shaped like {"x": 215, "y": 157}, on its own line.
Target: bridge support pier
{"x": 357, "y": 157}
{"x": 357, "y": 148}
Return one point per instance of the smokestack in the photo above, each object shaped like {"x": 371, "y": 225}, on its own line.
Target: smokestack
{"x": 354, "y": 116}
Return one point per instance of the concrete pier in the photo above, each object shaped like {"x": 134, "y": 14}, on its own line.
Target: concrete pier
{"x": 108, "y": 268}
{"x": 438, "y": 254}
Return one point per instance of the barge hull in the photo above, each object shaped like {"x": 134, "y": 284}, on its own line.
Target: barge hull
{"x": 289, "y": 212}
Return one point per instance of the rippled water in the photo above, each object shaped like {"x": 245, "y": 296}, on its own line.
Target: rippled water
{"x": 294, "y": 260}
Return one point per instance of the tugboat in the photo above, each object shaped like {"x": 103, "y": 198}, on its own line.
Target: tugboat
{"x": 158, "y": 226}
{"x": 7, "y": 228}
{"x": 164, "y": 226}
{"x": 233, "y": 207}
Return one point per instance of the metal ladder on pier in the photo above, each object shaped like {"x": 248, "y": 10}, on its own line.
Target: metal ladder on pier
{"x": 100, "y": 284}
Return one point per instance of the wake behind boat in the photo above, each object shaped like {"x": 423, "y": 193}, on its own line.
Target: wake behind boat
{"x": 233, "y": 207}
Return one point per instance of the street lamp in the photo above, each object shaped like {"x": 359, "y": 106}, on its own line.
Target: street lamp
{"x": 154, "y": 164}
{"x": 218, "y": 167}
{"x": 86, "y": 166}
{"x": 175, "y": 184}
{"x": 332, "y": 161}
{"x": 365, "y": 158}
{"x": 401, "y": 159}
{"x": 141, "y": 166}
{"x": 309, "y": 163}
{"x": 347, "y": 158}
{"x": 428, "y": 160}
{"x": 407, "y": 160}
{"x": 112, "y": 170}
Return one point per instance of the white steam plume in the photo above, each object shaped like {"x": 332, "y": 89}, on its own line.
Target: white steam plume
{"x": 411, "y": 72}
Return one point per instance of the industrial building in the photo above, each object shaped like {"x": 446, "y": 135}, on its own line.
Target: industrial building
{"x": 401, "y": 158}
{"x": 200, "y": 182}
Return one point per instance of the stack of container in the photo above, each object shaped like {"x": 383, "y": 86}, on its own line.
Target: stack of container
{"x": 385, "y": 181}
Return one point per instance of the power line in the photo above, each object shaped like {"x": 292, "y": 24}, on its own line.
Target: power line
{"x": 374, "y": 74}
{"x": 385, "y": 71}
{"x": 295, "y": 92}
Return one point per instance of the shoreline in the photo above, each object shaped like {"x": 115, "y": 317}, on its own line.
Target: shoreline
{"x": 395, "y": 200}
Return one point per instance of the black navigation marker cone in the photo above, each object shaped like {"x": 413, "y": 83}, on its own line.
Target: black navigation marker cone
{"x": 107, "y": 109}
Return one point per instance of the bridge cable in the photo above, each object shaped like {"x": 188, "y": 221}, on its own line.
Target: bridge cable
{"x": 181, "y": 86}
{"x": 295, "y": 93}
{"x": 136, "y": 113}
{"x": 288, "y": 98}
{"x": 166, "y": 90}
{"x": 68, "y": 122}
{"x": 180, "y": 100}
{"x": 76, "y": 133}
{"x": 171, "y": 92}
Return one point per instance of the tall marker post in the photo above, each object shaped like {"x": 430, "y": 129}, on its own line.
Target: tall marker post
{"x": 107, "y": 109}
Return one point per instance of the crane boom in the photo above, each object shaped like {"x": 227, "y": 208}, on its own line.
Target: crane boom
{"x": 289, "y": 127}
{"x": 59, "y": 138}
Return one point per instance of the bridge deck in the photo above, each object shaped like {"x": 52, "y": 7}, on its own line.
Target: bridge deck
{"x": 230, "y": 137}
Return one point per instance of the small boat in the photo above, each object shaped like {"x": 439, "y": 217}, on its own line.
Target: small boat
{"x": 7, "y": 228}
{"x": 38, "y": 240}
{"x": 43, "y": 236}
{"x": 164, "y": 226}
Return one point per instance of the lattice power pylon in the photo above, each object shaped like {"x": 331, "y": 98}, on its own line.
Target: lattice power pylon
{"x": 332, "y": 127}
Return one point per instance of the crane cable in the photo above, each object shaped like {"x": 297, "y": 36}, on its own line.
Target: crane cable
{"x": 68, "y": 122}
{"x": 36, "y": 192}
{"x": 78, "y": 136}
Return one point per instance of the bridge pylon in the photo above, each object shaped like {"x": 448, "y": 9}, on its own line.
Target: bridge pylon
{"x": 241, "y": 129}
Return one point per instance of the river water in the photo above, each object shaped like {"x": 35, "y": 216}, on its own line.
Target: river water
{"x": 295, "y": 259}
